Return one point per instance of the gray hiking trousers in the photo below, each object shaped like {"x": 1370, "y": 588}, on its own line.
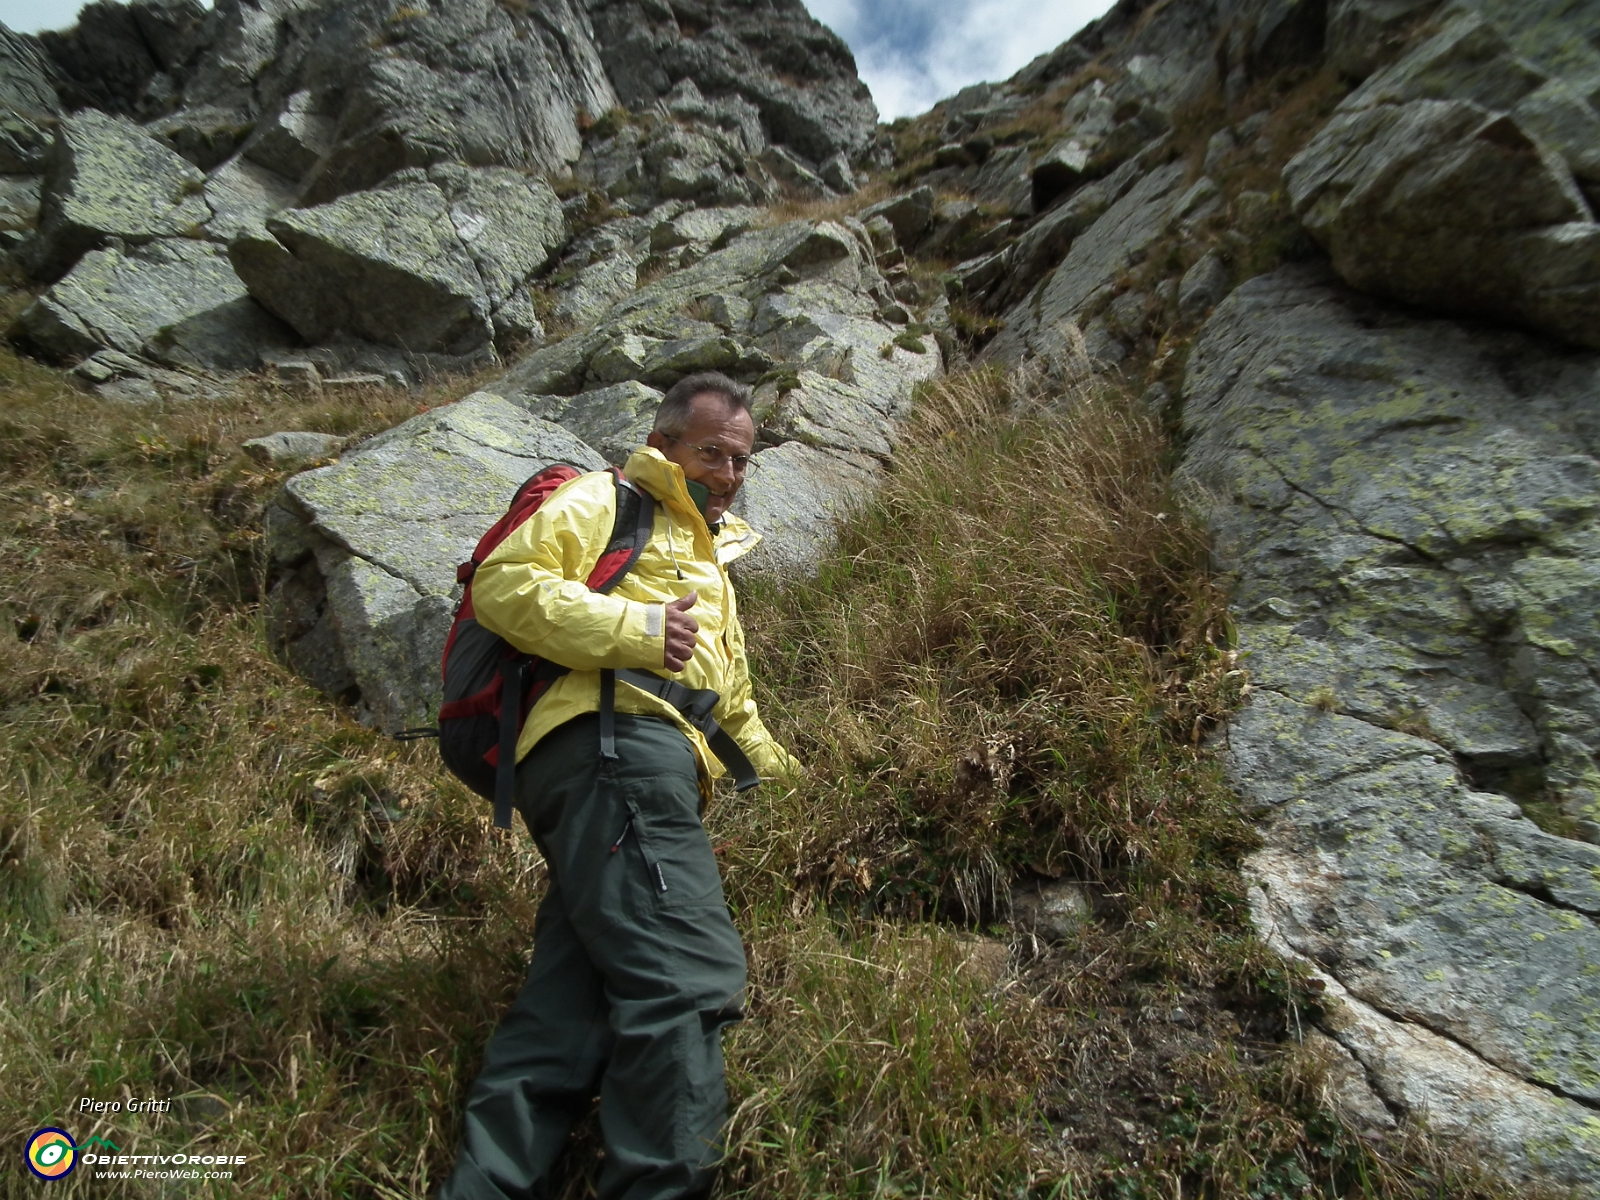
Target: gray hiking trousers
{"x": 636, "y": 968}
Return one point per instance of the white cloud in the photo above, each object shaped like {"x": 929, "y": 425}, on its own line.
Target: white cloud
{"x": 913, "y": 53}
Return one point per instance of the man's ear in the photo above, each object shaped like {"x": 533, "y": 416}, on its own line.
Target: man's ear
{"x": 655, "y": 440}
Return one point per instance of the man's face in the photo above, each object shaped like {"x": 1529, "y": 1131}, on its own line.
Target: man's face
{"x": 714, "y": 426}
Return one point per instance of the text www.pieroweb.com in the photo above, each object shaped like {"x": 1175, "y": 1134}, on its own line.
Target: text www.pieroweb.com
{"x": 163, "y": 1166}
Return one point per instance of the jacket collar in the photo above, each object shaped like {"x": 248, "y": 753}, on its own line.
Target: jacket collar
{"x": 664, "y": 480}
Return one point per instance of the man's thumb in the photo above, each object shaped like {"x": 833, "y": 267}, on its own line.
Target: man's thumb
{"x": 686, "y": 603}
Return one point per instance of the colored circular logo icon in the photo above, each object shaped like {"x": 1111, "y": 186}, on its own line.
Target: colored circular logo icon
{"x": 52, "y": 1154}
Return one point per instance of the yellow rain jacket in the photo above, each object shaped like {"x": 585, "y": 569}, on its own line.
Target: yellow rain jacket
{"x": 531, "y": 591}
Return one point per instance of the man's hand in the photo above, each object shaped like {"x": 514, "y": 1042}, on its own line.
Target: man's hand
{"x": 681, "y": 633}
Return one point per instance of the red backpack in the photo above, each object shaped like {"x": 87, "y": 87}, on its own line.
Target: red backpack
{"x": 489, "y": 685}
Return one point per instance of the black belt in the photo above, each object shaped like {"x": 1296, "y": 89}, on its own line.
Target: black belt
{"x": 693, "y": 704}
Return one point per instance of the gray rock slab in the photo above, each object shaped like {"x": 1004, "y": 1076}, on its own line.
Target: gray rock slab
{"x": 1005, "y": 182}
{"x": 1203, "y": 286}
{"x": 1447, "y": 180}
{"x": 25, "y": 85}
{"x": 1359, "y": 30}
{"x": 510, "y": 223}
{"x": 205, "y": 135}
{"x": 703, "y": 227}
{"x": 748, "y": 53}
{"x": 24, "y": 143}
{"x": 1559, "y": 118}
{"x": 597, "y": 287}
{"x": 1407, "y": 511}
{"x": 793, "y": 496}
{"x": 1536, "y": 1137}
{"x": 1045, "y": 243}
{"x": 825, "y": 267}
{"x": 366, "y": 549}
{"x": 795, "y": 172}
{"x": 475, "y": 82}
{"x": 614, "y": 420}
{"x": 909, "y": 213}
{"x": 114, "y": 375}
{"x": 107, "y": 178}
{"x": 175, "y": 300}
{"x": 425, "y": 263}
{"x": 291, "y": 141}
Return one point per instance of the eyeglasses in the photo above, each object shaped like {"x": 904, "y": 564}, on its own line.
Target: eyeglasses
{"x": 714, "y": 457}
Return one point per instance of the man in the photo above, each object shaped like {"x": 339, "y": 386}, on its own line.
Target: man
{"x": 636, "y": 964}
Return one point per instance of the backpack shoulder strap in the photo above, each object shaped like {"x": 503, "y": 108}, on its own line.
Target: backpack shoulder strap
{"x": 630, "y": 531}
{"x": 636, "y": 514}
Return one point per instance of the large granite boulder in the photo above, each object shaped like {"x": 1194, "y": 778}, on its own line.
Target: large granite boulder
{"x": 1408, "y": 511}
{"x": 174, "y": 300}
{"x": 614, "y": 420}
{"x": 426, "y": 262}
{"x": 1447, "y": 181}
{"x": 794, "y": 494}
{"x": 107, "y": 178}
{"x": 242, "y": 195}
{"x": 365, "y": 550}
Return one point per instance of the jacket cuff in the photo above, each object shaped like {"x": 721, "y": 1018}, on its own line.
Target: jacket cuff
{"x": 644, "y": 635}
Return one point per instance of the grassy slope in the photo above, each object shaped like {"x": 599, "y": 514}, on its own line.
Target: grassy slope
{"x": 215, "y": 887}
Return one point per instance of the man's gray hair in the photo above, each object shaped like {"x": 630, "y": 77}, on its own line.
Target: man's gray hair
{"x": 672, "y": 417}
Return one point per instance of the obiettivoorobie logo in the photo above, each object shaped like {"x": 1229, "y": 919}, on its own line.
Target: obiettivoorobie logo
{"x": 52, "y": 1153}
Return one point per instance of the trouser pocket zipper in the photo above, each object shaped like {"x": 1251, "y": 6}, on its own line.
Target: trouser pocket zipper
{"x": 622, "y": 837}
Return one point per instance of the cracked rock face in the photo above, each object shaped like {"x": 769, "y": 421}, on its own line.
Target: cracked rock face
{"x": 796, "y": 73}
{"x": 1112, "y": 239}
{"x": 347, "y": 92}
{"x": 366, "y": 549}
{"x": 1410, "y": 512}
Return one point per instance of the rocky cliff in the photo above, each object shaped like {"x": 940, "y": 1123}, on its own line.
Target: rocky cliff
{"x": 1391, "y": 425}
{"x": 1348, "y": 250}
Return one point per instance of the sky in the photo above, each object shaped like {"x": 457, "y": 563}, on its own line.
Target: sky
{"x": 912, "y": 53}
